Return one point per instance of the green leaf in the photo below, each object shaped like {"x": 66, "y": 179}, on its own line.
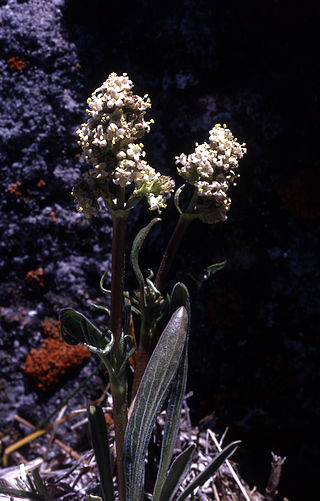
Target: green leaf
{"x": 154, "y": 386}
{"x": 210, "y": 469}
{"x": 71, "y": 324}
{"x": 179, "y": 297}
{"x": 137, "y": 244}
{"x": 100, "y": 443}
{"x": 39, "y": 483}
{"x": 176, "y": 474}
{"x": 177, "y": 198}
{"x": 17, "y": 493}
{"x": 207, "y": 272}
{"x": 29, "y": 481}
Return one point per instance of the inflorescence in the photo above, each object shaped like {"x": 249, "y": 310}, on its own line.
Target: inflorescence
{"x": 212, "y": 168}
{"x": 108, "y": 142}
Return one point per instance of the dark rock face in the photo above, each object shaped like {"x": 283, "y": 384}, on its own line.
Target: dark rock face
{"x": 47, "y": 257}
{"x": 254, "y": 345}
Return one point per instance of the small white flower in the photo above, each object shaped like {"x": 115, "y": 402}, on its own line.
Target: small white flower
{"x": 121, "y": 155}
{"x": 212, "y": 168}
{"x": 108, "y": 140}
{"x": 109, "y": 127}
{"x": 134, "y": 151}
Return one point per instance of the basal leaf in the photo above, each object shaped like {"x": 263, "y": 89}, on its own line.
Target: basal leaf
{"x": 210, "y": 469}
{"x": 100, "y": 443}
{"x": 154, "y": 386}
{"x": 19, "y": 493}
{"x": 39, "y": 483}
{"x": 179, "y": 297}
{"x": 176, "y": 474}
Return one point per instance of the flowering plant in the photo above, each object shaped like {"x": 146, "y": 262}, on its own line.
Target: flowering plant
{"x": 119, "y": 177}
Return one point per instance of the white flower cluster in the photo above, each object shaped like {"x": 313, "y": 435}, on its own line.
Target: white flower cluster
{"x": 116, "y": 120}
{"x": 156, "y": 188}
{"x": 129, "y": 162}
{"x": 212, "y": 167}
{"x": 148, "y": 182}
{"x": 108, "y": 142}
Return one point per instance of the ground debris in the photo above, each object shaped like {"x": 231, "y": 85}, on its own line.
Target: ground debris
{"x": 73, "y": 477}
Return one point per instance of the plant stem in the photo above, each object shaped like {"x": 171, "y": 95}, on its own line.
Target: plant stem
{"x": 118, "y": 383}
{"x": 120, "y": 418}
{"x": 171, "y": 250}
{"x": 148, "y": 334}
{"x": 175, "y": 241}
{"x": 142, "y": 357}
{"x": 117, "y": 276}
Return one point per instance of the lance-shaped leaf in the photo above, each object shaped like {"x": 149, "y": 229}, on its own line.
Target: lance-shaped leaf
{"x": 207, "y": 273}
{"x": 100, "y": 443}
{"x": 151, "y": 394}
{"x": 39, "y": 483}
{"x": 137, "y": 244}
{"x": 176, "y": 474}
{"x": 20, "y": 493}
{"x": 71, "y": 324}
{"x": 210, "y": 469}
{"x": 179, "y": 297}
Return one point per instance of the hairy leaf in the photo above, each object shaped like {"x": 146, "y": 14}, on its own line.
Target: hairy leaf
{"x": 71, "y": 324}
{"x": 176, "y": 474}
{"x": 100, "y": 443}
{"x": 207, "y": 273}
{"x": 137, "y": 244}
{"x": 179, "y": 297}
{"x": 151, "y": 394}
{"x": 39, "y": 483}
{"x": 17, "y": 493}
{"x": 210, "y": 469}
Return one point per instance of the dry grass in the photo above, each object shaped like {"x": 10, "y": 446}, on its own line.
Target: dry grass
{"x": 69, "y": 475}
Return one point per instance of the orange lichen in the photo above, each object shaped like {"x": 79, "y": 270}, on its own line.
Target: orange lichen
{"x": 53, "y": 216}
{"x": 51, "y": 328}
{"x": 35, "y": 277}
{"x": 300, "y": 195}
{"x": 46, "y": 365}
{"x": 16, "y": 63}
{"x": 14, "y": 189}
{"x": 41, "y": 183}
